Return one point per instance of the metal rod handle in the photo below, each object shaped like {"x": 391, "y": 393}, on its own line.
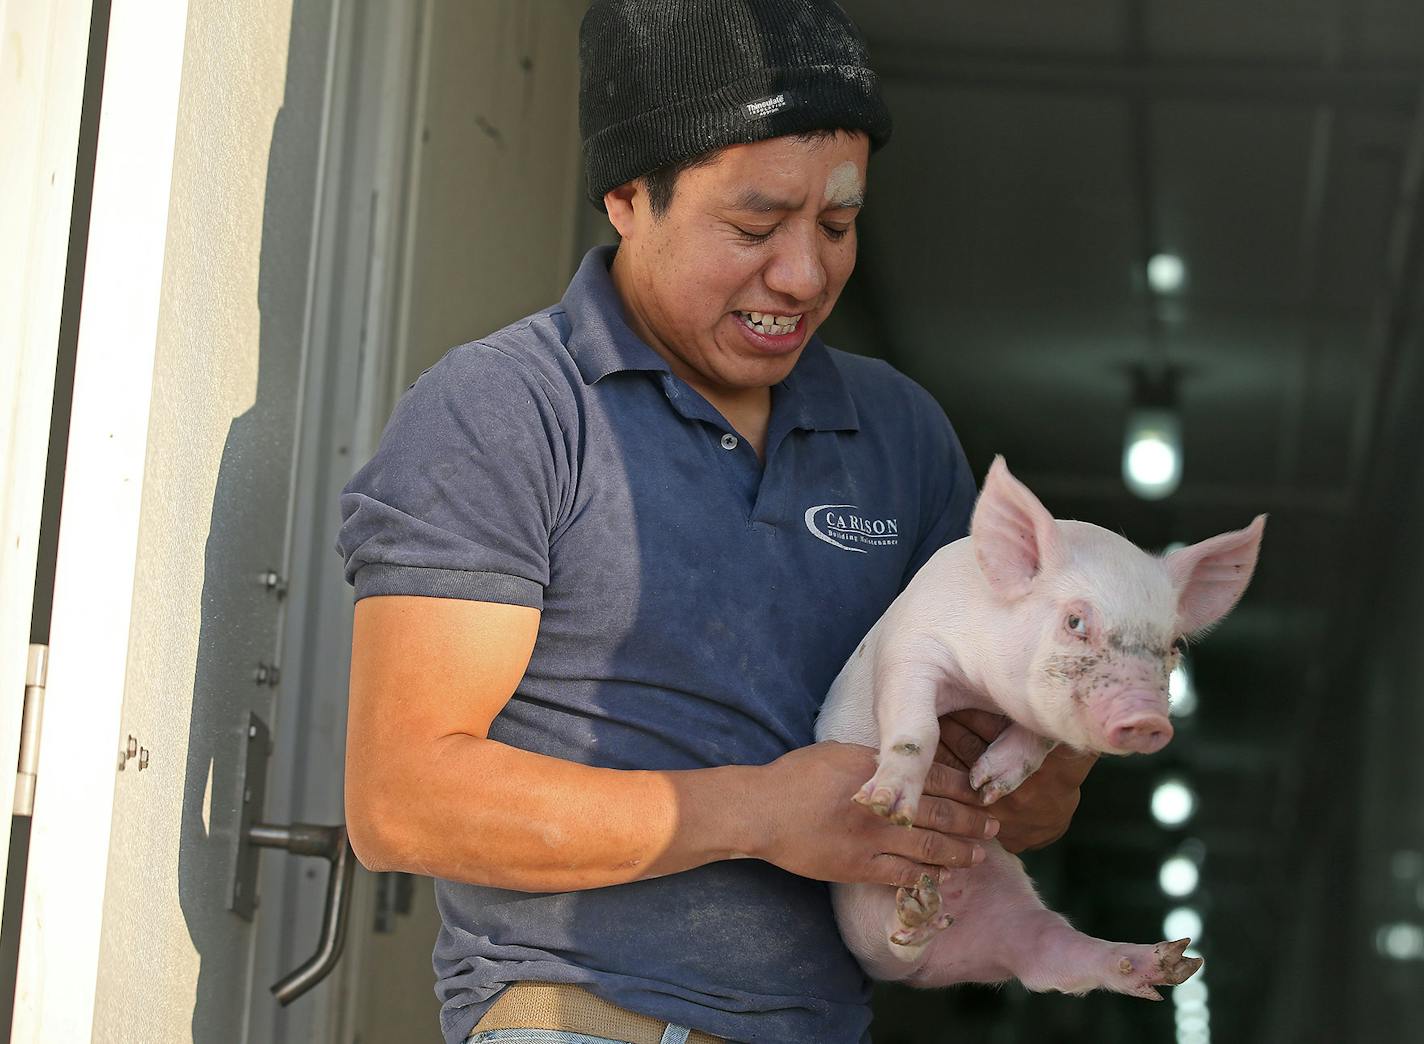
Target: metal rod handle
{"x": 331, "y": 844}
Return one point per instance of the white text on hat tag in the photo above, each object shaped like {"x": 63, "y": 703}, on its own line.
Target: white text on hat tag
{"x": 766, "y": 106}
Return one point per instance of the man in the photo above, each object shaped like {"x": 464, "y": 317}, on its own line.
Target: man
{"x": 610, "y": 558}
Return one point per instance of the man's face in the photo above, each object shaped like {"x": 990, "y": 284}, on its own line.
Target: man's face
{"x": 764, "y": 232}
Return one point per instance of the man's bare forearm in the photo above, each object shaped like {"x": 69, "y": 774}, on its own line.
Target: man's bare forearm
{"x": 427, "y": 792}
{"x": 486, "y": 813}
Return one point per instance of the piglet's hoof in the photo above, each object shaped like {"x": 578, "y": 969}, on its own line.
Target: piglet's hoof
{"x": 918, "y": 911}
{"x": 992, "y": 782}
{"x": 993, "y": 791}
{"x": 1166, "y": 964}
{"x": 890, "y": 801}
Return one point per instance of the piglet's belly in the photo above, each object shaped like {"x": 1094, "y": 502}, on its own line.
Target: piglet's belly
{"x": 847, "y": 715}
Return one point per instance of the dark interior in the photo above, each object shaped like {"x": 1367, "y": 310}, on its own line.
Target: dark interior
{"x": 1042, "y": 154}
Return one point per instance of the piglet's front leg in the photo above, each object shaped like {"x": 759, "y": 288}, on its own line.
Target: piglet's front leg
{"x": 908, "y": 726}
{"x": 1014, "y": 755}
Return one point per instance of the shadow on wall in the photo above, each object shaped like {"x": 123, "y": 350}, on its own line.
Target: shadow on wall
{"x": 241, "y": 615}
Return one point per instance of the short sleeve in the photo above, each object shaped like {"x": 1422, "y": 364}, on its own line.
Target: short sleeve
{"x": 948, "y": 481}
{"x": 465, "y": 489}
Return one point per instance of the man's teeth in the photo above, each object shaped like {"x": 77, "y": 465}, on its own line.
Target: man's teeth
{"x": 766, "y": 323}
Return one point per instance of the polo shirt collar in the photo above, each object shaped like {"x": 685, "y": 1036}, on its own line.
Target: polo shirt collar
{"x": 601, "y": 342}
{"x": 600, "y": 339}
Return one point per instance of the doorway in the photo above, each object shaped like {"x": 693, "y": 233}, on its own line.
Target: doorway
{"x": 463, "y": 209}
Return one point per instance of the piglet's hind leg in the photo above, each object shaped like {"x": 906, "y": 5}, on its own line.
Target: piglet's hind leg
{"x": 919, "y": 917}
{"x": 1071, "y": 962}
{"x": 1002, "y": 929}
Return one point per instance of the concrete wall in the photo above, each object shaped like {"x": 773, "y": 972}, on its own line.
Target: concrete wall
{"x": 500, "y": 184}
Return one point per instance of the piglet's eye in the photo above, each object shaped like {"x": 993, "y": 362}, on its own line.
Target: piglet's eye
{"x": 1077, "y": 625}
{"x": 1179, "y": 644}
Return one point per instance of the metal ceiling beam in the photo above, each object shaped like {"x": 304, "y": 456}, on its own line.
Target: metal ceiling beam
{"x": 1203, "y": 756}
{"x": 1156, "y": 370}
{"x": 1302, "y": 500}
{"x": 1274, "y": 1018}
{"x": 1284, "y": 83}
{"x": 1317, "y": 179}
{"x": 1222, "y": 843}
{"x": 1404, "y": 260}
{"x": 1317, "y": 812}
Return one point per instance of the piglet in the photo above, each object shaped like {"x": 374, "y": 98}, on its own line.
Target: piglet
{"x": 1071, "y": 631}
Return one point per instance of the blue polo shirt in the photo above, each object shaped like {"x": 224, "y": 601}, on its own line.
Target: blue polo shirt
{"x": 696, "y": 606}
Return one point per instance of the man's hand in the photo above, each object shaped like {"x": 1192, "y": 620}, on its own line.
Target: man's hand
{"x": 814, "y": 829}
{"x": 1038, "y": 812}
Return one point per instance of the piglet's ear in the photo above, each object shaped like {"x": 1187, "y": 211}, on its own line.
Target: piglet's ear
{"x": 1211, "y": 576}
{"x": 1014, "y": 536}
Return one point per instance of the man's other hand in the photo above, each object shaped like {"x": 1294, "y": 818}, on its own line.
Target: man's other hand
{"x": 1039, "y": 811}
{"x": 813, "y": 828}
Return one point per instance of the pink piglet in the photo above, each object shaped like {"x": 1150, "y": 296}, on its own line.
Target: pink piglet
{"x": 1071, "y": 631}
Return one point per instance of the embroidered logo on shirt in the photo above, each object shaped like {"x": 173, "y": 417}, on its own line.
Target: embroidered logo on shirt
{"x": 766, "y": 106}
{"x": 845, "y": 526}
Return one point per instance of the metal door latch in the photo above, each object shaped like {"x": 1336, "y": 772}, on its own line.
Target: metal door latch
{"x": 328, "y": 842}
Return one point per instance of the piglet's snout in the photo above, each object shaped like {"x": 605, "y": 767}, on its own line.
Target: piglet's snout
{"x": 1140, "y": 728}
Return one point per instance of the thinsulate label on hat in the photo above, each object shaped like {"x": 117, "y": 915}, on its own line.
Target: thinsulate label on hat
{"x": 766, "y": 106}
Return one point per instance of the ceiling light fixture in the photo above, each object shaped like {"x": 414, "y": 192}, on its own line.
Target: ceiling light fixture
{"x": 1182, "y": 922}
{"x": 1190, "y": 998}
{"x": 1166, "y": 273}
{"x": 1152, "y": 446}
{"x": 1178, "y": 876}
{"x": 1173, "y": 802}
{"x": 1401, "y": 941}
{"x": 1195, "y": 993}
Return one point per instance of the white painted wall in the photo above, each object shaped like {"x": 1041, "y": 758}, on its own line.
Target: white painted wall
{"x": 188, "y": 374}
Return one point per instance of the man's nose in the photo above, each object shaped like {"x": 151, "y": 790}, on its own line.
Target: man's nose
{"x": 796, "y": 270}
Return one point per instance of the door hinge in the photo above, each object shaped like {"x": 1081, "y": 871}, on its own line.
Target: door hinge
{"x": 36, "y": 669}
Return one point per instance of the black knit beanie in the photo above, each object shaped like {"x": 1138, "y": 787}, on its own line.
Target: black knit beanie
{"x": 663, "y": 81}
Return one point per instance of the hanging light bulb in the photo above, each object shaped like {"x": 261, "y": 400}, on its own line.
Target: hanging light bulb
{"x": 1178, "y": 876}
{"x": 1152, "y": 445}
{"x": 1152, "y": 453}
{"x": 1173, "y": 802}
{"x": 1402, "y": 941}
{"x": 1183, "y": 922}
{"x": 1166, "y": 273}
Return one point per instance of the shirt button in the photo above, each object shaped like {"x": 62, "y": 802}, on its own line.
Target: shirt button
{"x": 729, "y": 441}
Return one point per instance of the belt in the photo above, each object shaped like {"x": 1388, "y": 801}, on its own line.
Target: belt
{"x": 573, "y": 1009}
